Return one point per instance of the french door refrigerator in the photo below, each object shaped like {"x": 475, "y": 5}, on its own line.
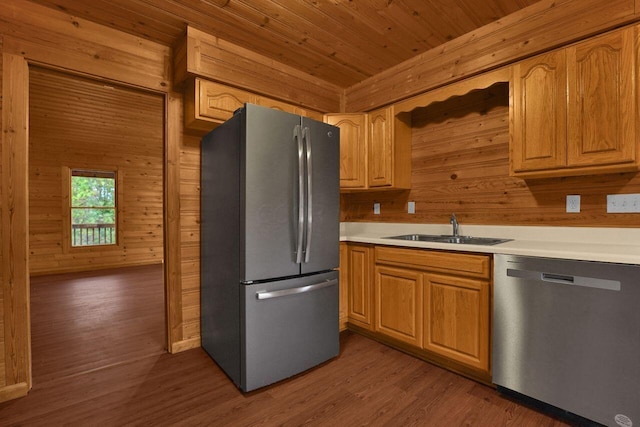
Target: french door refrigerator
{"x": 269, "y": 245}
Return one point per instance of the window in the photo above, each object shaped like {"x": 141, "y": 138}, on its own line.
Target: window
{"x": 93, "y": 208}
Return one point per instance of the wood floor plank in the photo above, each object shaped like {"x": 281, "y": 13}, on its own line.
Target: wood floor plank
{"x": 83, "y": 321}
{"x": 367, "y": 384}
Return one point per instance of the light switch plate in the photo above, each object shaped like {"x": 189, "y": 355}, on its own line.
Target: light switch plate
{"x": 573, "y": 203}
{"x": 376, "y": 208}
{"x": 623, "y": 203}
{"x": 411, "y": 207}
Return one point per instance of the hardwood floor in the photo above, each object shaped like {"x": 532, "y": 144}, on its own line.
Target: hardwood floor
{"x": 138, "y": 384}
{"x": 84, "y": 321}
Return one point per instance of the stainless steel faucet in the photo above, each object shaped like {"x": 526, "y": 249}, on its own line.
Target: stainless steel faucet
{"x": 454, "y": 222}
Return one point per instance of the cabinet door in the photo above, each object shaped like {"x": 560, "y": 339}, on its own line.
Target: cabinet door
{"x": 287, "y": 108}
{"x": 602, "y": 100}
{"x": 538, "y": 141}
{"x": 276, "y": 105}
{"x": 398, "y": 304}
{"x": 353, "y": 148}
{"x": 380, "y": 164}
{"x": 360, "y": 297}
{"x": 456, "y": 319}
{"x": 344, "y": 282}
{"x": 218, "y": 102}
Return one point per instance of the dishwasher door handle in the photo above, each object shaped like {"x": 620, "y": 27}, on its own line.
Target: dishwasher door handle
{"x": 565, "y": 279}
{"x": 558, "y": 278}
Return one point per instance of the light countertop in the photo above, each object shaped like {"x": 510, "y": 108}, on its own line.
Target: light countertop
{"x": 620, "y": 245}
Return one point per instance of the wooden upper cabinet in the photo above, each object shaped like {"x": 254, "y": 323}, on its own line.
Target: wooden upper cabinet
{"x": 574, "y": 109}
{"x": 218, "y": 102}
{"x": 286, "y": 107}
{"x": 539, "y": 113}
{"x": 602, "y": 100}
{"x": 389, "y": 149}
{"x": 375, "y": 149}
{"x": 353, "y": 148}
{"x": 380, "y": 148}
{"x": 208, "y": 104}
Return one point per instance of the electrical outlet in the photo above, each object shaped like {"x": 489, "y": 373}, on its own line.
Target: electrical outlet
{"x": 411, "y": 207}
{"x": 623, "y": 203}
{"x": 376, "y": 208}
{"x": 573, "y": 203}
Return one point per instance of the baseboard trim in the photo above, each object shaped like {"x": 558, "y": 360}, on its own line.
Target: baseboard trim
{"x": 184, "y": 345}
{"x": 13, "y": 391}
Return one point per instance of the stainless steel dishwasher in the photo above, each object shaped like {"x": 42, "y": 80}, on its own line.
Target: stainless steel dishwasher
{"x": 567, "y": 333}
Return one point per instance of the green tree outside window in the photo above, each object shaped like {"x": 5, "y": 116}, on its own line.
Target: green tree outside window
{"x": 93, "y": 208}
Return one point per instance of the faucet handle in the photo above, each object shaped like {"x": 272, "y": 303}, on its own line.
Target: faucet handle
{"x": 454, "y": 222}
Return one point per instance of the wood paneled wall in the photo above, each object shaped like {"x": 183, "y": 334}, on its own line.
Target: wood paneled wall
{"x": 81, "y": 123}
{"x": 2, "y": 358}
{"x": 190, "y": 236}
{"x": 460, "y": 163}
{"x": 539, "y": 27}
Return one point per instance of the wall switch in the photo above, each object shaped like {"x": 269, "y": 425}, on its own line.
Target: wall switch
{"x": 411, "y": 207}
{"x": 573, "y": 203}
{"x": 376, "y": 208}
{"x": 623, "y": 203}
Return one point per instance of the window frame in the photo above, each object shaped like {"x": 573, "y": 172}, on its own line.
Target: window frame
{"x": 67, "y": 229}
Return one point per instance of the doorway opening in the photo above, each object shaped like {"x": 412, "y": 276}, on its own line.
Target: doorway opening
{"x": 94, "y": 305}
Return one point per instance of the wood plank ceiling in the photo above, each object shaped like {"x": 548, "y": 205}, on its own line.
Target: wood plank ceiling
{"x": 340, "y": 41}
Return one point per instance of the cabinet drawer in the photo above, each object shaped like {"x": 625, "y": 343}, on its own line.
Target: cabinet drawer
{"x": 430, "y": 260}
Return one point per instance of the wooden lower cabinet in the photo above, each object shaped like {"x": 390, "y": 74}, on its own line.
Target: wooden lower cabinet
{"x": 398, "y": 304}
{"x": 359, "y": 278}
{"x": 343, "y": 280}
{"x": 433, "y": 304}
{"x": 456, "y": 319}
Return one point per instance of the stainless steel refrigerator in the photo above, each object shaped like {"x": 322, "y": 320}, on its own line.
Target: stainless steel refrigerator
{"x": 269, "y": 245}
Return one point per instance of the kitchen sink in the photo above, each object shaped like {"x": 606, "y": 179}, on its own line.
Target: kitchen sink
{"x": 442, "y": 238}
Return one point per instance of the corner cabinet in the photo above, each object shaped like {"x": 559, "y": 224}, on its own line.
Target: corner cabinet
{"x": 375, "y": 150}
{"x": 574, "y": 109}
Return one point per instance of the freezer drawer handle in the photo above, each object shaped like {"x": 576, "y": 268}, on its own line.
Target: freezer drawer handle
{"x": 300, "y": 290}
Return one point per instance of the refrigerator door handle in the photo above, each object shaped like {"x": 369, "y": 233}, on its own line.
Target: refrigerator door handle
{"x": 306, "y": 135}
{"x": 302, "y": 289}
{"x": 301, "y": 199}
